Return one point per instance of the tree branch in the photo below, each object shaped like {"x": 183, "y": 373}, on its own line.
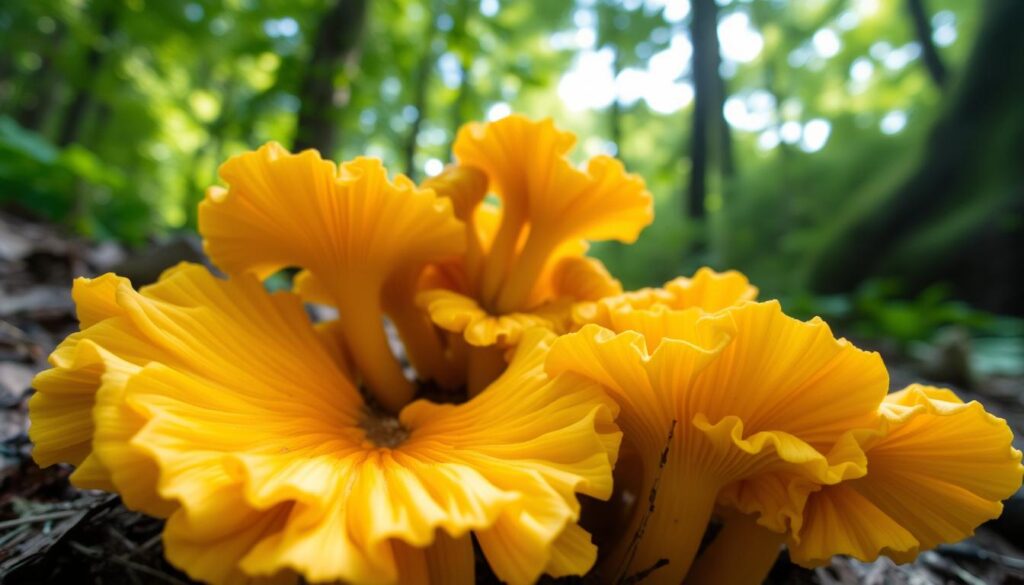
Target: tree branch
{"x": 929, "y": 53}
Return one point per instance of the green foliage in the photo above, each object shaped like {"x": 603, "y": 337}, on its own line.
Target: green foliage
{"x": 884, "y": 314}
{"x": 883, "y": 309}
{"x": 165, "y": 91}
{"x": 70, "y": 184}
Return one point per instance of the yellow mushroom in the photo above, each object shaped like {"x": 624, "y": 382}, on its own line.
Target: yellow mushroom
{"x": 937, "y": 468}
{"x": 707, "y": 290}
{"x": 217, "y": 405}
{"x": 710, "y": 399}
{"x": 545, "y": 201}
{"x": 364, "y": 238}
{"x": 525, "y": 262}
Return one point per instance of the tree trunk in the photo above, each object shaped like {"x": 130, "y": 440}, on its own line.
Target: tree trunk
{"x": 707, "y": 103}
{"x": 85, "y": 95}
{"x": 929, "y": 53}
{"x": 420, "y": 84}
{"x": 32, "y": 114}
{"x": 458, "y": 111}
{"x": 6, "y": 80}
{"x": 457, "y": 37}
{"x": 336, "y": 43}
{"x": 970, "y": 161}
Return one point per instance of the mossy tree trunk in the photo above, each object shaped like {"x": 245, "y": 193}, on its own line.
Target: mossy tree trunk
{"x": 335, "y": 45}
{"x": 968, "y": 187}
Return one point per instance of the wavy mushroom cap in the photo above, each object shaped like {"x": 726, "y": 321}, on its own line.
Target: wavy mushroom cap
{"x": 707, "y": 290}
{"x": 570, "y": 278}
{"x": 528, "y": 165}
{"x": 465, "y": 186}
{"x": 545, "y": 201}
{"x": 937, "y": 469}
{"x": 282, "y": 209}
{"x": 361, "y": 235}
{"x": 216, "y": 404}
{"x": 722, "y": 397}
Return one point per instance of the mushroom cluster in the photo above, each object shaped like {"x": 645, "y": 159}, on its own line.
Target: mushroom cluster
{"x": 285, "y": 450}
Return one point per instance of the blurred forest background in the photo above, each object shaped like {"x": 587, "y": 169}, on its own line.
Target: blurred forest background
{"x": 860, "y": 159}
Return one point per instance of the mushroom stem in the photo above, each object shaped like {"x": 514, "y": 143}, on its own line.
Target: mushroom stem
{"x": 474, "y": 258}
{"x": 446, "y": 561}
{"x": 363, "y": 329}
{"x": 741, "y": 537}
{"x": 668, "y": 523}
{"x": 515, "y": 293}
{"x": 457, "y": 354}
{"x": 450, "y": 560}
{"x": 501, "y": 256}
{"x": 422, "y": 343}
{"x": 485, "y": 365}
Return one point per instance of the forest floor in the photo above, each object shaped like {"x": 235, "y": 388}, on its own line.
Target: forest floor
{"x": 51, "y": 532}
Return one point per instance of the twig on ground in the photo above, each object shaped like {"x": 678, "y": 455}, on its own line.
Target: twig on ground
{"x": 980, "y": 554}
{"x": 148, "y": 544}
{"x": 936, "y": 561}
{"x": 11, "y": 538}
{"x": 37, "y": 518}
